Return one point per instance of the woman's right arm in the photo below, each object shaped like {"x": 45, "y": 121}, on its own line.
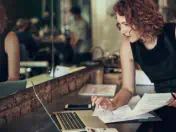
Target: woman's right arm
{"x": 128, "y": 80}
{"x": 128, "y": 75}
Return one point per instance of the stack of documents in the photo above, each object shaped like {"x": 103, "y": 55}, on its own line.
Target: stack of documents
{"x": 150, "y": 102}
{"x": 147, "y": 103}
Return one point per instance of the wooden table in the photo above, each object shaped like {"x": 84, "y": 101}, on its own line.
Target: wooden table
{"x": 39, "y": 121}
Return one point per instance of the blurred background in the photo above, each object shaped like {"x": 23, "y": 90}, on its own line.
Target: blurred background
{"x": 66, "y": 32}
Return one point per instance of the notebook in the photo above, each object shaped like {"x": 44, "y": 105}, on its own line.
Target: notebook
{"x": 98, "y": 90}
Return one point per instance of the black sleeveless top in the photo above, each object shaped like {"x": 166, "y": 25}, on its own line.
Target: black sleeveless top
{"x": 3, "y": 59}
{"x": 159, "y": 63}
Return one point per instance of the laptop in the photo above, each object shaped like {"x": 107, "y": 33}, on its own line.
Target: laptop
{"x": 11, "y": 87}
{"x": 76, "y": 121}
{"x": 73, "y": 121}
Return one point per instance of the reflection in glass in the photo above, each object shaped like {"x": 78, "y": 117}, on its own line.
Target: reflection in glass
{"x": 43, "y": 30}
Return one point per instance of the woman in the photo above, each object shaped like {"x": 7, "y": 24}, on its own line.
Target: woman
{"x": 9, "y": 52}
{"x": 150, "y": 43}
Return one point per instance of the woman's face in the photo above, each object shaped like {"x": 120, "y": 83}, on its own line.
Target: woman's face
{"x": 126, "y": 29}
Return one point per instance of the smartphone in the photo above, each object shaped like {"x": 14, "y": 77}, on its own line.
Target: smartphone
{"x": 78, "y": 107}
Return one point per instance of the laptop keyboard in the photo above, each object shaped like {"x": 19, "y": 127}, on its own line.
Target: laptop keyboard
{"x": 71, "y": 121}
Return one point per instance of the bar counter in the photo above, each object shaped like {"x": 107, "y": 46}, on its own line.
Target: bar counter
{"x": 22, "y": 112}
{"x": 38, "y": 120}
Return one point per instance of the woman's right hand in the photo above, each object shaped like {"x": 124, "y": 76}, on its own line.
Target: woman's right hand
{"x": 104, "y": 102}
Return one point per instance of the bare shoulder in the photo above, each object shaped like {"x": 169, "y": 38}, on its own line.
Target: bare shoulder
{"x": 11, "y": 38}
{"x": 11, "y": 42}
{"x": 11, "y": 35}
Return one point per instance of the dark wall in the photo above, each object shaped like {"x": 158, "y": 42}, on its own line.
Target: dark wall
{"x": 21, "y": 9}
{"x": 156, "y": 1}
{"x": 28, "y": 8}
{"x": 10, "y": 7}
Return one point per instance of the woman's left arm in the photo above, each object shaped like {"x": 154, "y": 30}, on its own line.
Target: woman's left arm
{"x": 13, "y": 53}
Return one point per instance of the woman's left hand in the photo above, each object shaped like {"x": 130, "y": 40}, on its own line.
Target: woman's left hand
{"x": 172, "y": 101}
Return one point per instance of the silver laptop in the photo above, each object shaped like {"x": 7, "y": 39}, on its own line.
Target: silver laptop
{"x": 76, "y": 121}
{"x": 73, "y": 121}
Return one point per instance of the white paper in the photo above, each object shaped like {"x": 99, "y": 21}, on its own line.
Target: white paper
{"x": 150, "y": 102}
{"x": 102, "y": 112}
{"x": 121, "y": 111}
{"x": 120, "y": 114}
{"x": 142, "y": 78}
{"x": 110, "y": 119}
{"x": 147, "y": 103}
{"x": 133, "y": 102}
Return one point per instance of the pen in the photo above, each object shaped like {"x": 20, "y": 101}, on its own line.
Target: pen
{"x": 173, "y": 96}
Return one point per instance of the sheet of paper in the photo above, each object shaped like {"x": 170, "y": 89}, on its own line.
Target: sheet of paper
{"x": 114, "y": 116}
{"x": 121, "y": 111}
{"x": 101, "y": 112}
{"x": 150, "y": 102}
{"x": 118, "y": 114}
{"x": 110, "y": 119}
{"x": 133, "y": 102}
{"x": 121, "y": 114}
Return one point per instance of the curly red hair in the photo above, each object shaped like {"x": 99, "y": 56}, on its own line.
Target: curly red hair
{"x": 143, "y": 14}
